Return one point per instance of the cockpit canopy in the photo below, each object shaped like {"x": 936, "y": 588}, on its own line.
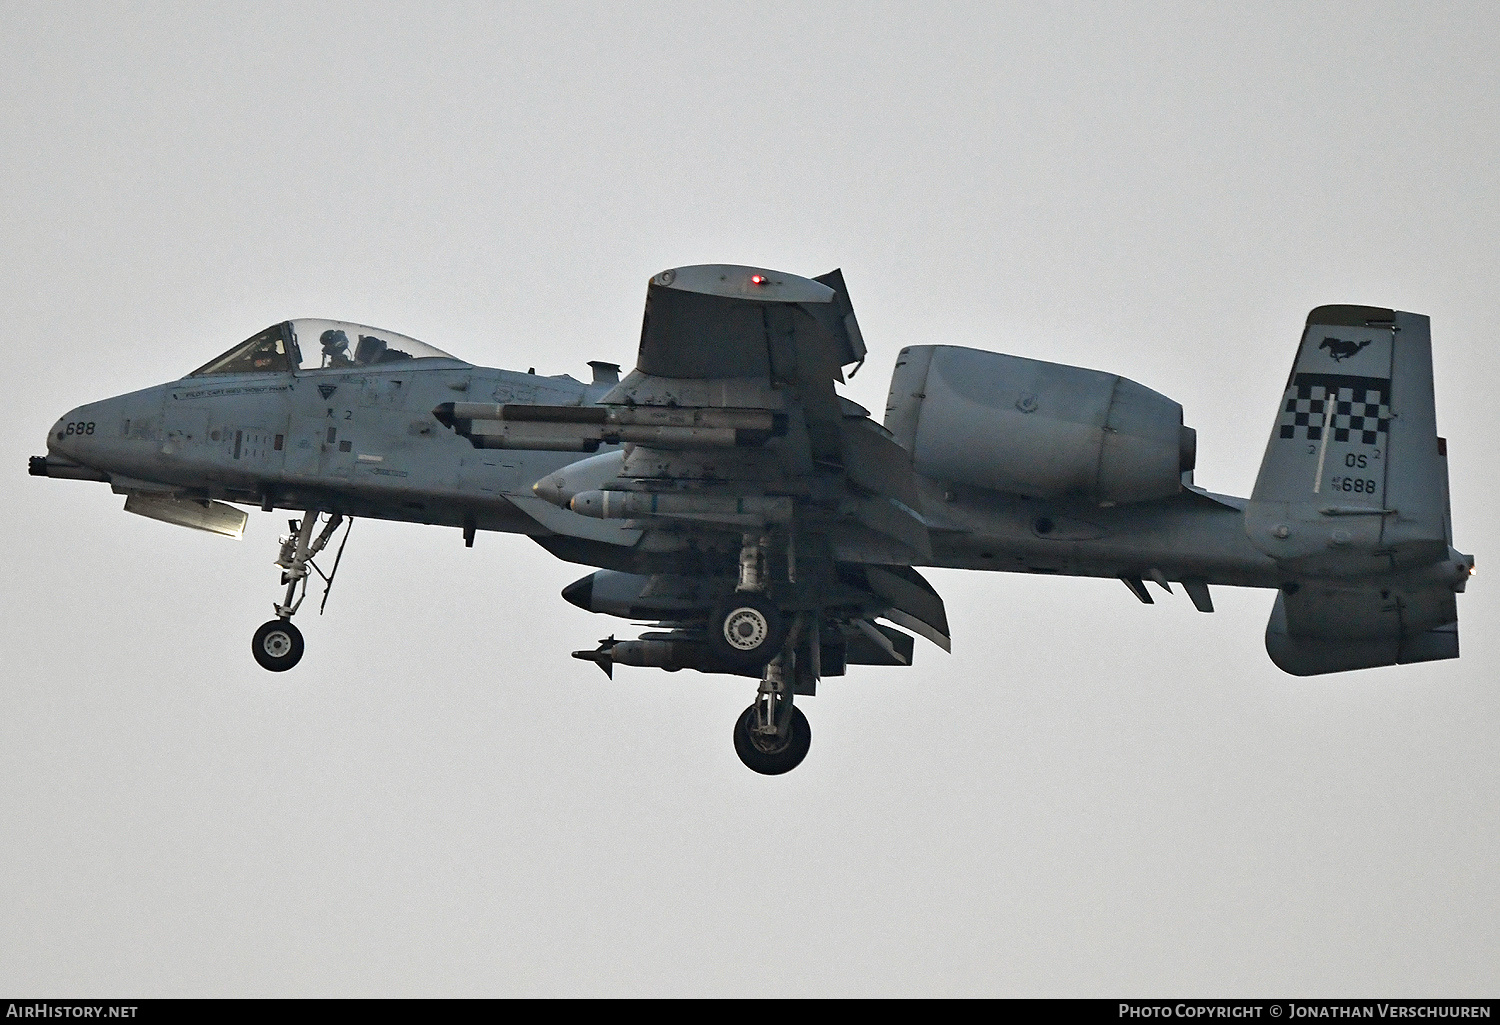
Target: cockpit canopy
{"x": 279, "y": 349}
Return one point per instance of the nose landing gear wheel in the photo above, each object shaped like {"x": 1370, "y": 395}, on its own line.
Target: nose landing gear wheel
{"x": 772, "y": 755}
{"x": 748, "y": 630}
{"x": 277, "y": 645}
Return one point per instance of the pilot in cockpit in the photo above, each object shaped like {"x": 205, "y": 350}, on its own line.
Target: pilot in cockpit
{"x": 336, "y": 349}
{"x": 267, "y": 355}
{"x": 372, "y": 350}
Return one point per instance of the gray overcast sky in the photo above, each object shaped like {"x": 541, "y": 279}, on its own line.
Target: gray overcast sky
{"x": 1088, "y": 797}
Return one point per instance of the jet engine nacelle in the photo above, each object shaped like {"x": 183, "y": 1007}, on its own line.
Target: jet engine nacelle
{"x": 1044, "y": 430}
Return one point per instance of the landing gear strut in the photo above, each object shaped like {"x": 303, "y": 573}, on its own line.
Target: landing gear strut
{"x": 772, "y": 736}
{"x": 747, "y": 629}
{"x": 277, "y": 645}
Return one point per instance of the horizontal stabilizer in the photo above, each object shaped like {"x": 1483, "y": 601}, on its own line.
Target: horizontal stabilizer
{"x": 1304, "y": 656}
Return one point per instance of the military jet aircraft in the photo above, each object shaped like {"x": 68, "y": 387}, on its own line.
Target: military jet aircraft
{"x": 770, "y": 528}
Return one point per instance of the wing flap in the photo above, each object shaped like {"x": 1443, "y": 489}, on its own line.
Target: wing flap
{"x": 914, "y": 603}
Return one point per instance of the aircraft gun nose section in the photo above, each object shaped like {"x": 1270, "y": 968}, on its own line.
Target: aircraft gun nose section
{"x": 67, "y": 435}
{"x": 70, "y": 453}
{"x": 98, "y": 439}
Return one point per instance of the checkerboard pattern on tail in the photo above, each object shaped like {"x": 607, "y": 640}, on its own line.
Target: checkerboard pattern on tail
{"x": 1356, "y": 409}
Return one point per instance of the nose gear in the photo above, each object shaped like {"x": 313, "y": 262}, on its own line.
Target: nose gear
{"x": 277, "y": 644}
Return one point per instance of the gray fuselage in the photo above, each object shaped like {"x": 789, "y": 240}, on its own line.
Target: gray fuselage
{"x": 365, "y": 442}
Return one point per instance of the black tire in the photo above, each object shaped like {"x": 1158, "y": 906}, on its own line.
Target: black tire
{"x": 772, "y": 760}
{"x": 746, "y": 630}
{"x": 277, "y": 645}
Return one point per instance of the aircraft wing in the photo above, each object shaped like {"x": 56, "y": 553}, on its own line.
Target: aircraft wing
{"x": 720, "y": 321}
{"x": 746, "y": 474}
{"x": 722, "y": 339}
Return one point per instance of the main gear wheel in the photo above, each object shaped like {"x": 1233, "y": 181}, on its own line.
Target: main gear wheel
{"x": 747, "y": 631}
{"x": 768, "y": 752}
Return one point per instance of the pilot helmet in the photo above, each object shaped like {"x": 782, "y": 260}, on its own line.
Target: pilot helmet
{"x": 334, "y": 340}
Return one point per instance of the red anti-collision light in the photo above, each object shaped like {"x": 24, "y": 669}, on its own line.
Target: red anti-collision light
{"x": 757, "y": 279}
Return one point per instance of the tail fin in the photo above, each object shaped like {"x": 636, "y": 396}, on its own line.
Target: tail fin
{"x": 1354, "y": 461}
{"x": 1352, "y": 499}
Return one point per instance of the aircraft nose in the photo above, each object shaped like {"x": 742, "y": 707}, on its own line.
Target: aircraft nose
{"x": 69, "y": 434}
{"x": 89, "y": 434}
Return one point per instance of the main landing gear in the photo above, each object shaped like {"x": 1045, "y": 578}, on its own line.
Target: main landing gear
{"x": 277, "y": 645}
{"x": 747, "y": 630}
{"x": 772, "y": 736}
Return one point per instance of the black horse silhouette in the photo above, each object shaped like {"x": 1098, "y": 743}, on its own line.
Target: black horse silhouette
{"x": 1341, "y": 350}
